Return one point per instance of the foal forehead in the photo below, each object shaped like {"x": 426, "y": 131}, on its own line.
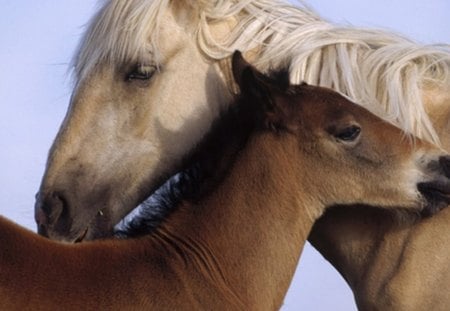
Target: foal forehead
{"x": 328, "y": 103}
{"x": 322, "y": 108}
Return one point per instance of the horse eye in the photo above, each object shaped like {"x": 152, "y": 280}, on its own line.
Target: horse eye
{"x": 348, "y": 134}
{"x": 141, "y": 72}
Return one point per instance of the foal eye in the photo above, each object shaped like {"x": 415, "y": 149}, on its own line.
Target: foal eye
{"x": 141, "y": 72}
{"x": 348, "y": 134}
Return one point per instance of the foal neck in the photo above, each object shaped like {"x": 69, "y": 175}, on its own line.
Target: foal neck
{"x": 255, "y": 205}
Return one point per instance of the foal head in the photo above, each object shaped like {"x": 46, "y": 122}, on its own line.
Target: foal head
{"x": 344, "y": 154}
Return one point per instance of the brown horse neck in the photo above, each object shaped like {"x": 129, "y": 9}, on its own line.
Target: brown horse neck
{"x": 364, "y": 244}
{"x": 257, "y": 204}
{"x": 387, "y": 260}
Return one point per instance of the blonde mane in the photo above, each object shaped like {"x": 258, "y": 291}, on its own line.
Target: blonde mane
{"x": 380, "y": 70}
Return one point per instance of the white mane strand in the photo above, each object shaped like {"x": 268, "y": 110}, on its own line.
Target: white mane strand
{"x": 380, "y": 70}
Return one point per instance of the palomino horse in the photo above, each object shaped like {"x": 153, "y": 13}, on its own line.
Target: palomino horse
{"x": 126, "y": 130}
{"x": 258, "y": 181}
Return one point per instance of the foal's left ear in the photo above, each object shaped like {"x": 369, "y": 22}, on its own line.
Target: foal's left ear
{"x": 251, "y": 82}
{"x": 264, "y": 93}
{"x": 248, "y": 78}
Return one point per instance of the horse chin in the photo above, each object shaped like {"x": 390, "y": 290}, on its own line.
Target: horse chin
{"x": 83, "y": 235}
{"x": 99, "y": 227}
{"x": 91, "y": 233}
{"x": 437, "y": 196}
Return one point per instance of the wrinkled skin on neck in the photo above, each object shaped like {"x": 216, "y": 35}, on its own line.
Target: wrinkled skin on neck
{"x": 393, "y": 265}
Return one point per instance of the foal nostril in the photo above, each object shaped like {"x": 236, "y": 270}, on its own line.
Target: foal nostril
{"x": 444, "y": 162}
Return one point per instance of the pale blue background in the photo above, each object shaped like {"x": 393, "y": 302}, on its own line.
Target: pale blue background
{"x": 37, "y": 39}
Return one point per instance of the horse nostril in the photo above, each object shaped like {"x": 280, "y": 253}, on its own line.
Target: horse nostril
{"x": 48, "y": 209}
{"x": 42, "y": 230}
{"x": 444, "y": 162}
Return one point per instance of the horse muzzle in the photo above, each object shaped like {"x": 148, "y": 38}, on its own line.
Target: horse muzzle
{"x": 54, "y": 220}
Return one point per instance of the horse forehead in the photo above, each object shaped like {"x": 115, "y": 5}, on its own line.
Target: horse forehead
{"x": 118, "y": 36}
{"x": 173, "y": 33}
{"x": 436, "y": 98}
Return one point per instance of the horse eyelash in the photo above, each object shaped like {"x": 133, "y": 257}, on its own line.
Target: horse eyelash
{"x": 142, "y": 72}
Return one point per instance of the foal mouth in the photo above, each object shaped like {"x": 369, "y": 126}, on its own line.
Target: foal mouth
{"x": 437, "y": 195}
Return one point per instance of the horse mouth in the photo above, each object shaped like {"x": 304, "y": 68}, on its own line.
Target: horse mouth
{"x": 437, "y": 195}
{"x": 82, "y": 236}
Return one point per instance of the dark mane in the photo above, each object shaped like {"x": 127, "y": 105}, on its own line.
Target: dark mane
{"x": 145, "y": 218}
{"x": 204, "y": 168}
{"x": 194, "y": 180}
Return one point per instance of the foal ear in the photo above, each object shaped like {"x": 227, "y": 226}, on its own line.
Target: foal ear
{"x": 265, "y": 94}
{"x": 251, "y": 82}
{"x": 238, "y": 66}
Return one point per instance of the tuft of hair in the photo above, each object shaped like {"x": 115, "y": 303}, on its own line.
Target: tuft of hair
{"x": 149, "y": 215}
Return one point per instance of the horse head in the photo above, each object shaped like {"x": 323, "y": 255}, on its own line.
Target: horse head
{"x": 125, "y": 129}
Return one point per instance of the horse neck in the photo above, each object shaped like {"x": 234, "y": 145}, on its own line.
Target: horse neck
{"x": 349, "y": 237}
{"x": 253, "y": 212}
{"x": 388, "y": 263}
{"x": 368, "y": 248}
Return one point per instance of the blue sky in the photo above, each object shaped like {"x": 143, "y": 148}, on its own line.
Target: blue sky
{"x": 37, "y": 39}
